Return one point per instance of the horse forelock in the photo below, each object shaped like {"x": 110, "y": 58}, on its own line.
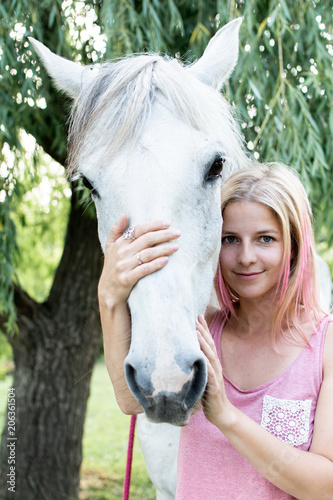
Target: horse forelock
{"x": 119, "y": 101}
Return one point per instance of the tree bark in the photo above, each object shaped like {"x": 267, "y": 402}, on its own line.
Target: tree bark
{"x": 54, "y": 354}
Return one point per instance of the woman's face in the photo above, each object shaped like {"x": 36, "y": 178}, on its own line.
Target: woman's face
{"x": 252, "y": 249}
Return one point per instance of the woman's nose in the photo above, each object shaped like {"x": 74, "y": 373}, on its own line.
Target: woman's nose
{"x": 247, "y": 254}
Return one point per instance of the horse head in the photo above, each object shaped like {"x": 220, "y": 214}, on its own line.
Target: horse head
{"x": 154, "y": 138}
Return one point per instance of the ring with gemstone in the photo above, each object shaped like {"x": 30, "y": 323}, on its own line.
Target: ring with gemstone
{"x": 129, "y": 234}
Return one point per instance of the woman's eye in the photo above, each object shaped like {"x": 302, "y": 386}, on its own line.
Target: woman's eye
{"x": 266, "y": 239}
{"x": 228, "y": 239}
{"x": 215, "y": 169}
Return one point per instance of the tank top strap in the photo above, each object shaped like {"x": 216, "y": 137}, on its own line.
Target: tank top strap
{"x": 217, "y": 324}
{"x": 318, "y": 338}
{"x": 324, "y": 324}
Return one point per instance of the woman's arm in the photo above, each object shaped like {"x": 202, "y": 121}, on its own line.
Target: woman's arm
{"x": 307, "y": 475}
{"x": 121, "y": 271}
{"x": 116, "y": 326}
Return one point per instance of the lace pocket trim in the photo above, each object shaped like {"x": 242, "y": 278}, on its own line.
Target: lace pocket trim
{"x": 286, "y": 419}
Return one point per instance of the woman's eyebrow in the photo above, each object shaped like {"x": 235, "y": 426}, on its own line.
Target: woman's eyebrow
{"x": 265, "y": 231}
{"x": 262, "y": 231}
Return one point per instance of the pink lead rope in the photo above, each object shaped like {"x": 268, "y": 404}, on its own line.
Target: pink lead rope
{"x": 127, "y": 481}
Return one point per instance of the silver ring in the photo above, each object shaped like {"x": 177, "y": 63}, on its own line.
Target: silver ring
{"x": 139, "y": 260}
{"x": 129, "y": 234}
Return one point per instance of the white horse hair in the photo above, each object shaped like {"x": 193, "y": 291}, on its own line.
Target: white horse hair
{"x": 153, "y": 138}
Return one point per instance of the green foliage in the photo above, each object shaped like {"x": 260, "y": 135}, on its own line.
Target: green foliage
{"x": 22, "y": 112}
{"x": 36, "y": 204}
{"x": 41, "y": 220}
{"x": 7, "y": 259}
{"x": 282, "y": 87}
{"x": 283, "y": 91}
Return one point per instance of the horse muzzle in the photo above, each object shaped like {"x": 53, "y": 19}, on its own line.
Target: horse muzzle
{"x": 166, "y": 405}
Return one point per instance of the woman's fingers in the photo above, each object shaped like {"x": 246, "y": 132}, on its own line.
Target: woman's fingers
{"x": 148, "y": 234}
{"x": 150, "y": 226}
{"x": 207, "y": 344}
{"x": 132, "y": 253}
{"x": 148, "y": 254}
{"x": 150, "y": 241}
{"x": 142, "y": 270}
{"x": 156, "y": 237}
{"x": 204, "y": 332}
{"x": 145, "y": 235}
{"x": 146, "y": 262}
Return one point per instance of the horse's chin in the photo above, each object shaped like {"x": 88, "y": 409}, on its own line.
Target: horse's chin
{"x": 166, "y": 409}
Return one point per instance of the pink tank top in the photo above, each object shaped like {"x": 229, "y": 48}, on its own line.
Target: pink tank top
{"x": 210, "y": 468}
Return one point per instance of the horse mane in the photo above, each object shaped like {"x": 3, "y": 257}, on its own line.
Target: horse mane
{"x": 120, "y": 97}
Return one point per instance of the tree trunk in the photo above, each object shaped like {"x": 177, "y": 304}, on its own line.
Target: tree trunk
{"x": 54, "y": 354}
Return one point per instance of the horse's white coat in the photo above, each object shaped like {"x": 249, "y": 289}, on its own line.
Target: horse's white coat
{"x": 175, "y": 379}
{"x": 159, "y": 444}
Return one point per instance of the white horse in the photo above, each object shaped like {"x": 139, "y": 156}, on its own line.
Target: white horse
{"x": 154, "y": 139}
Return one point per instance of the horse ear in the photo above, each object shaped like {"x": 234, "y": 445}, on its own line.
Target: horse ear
{"x": 220, "y": 56}
{"x": 68, "y": 76}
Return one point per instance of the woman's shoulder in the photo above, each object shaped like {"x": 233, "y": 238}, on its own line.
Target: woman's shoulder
{"x": 210, "y": 313}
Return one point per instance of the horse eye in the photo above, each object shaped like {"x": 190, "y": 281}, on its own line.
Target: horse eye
{"x": 215, "y": 169}
{"x": 89, "y": 186}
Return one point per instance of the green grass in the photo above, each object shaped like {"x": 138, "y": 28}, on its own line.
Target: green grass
{"x": 105, "y": 447}
{"x": 104, "y": 444}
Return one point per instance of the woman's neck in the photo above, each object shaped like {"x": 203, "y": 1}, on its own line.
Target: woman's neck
{"x": 254, "y": 315}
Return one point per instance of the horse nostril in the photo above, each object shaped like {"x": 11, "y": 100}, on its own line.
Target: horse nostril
{"x": 140, "y": 393}
{"x": 197, "y": 385}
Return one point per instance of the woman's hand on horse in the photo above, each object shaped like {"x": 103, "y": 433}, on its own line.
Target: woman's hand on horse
{"x": 128, "y": 260}
{"x": 215, "y": 403}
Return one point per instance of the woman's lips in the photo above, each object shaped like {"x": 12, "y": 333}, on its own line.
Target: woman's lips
{"x": 248, "y": 276}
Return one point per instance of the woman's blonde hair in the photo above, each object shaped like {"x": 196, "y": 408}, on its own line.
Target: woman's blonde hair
{"x": 275, "y": 186}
